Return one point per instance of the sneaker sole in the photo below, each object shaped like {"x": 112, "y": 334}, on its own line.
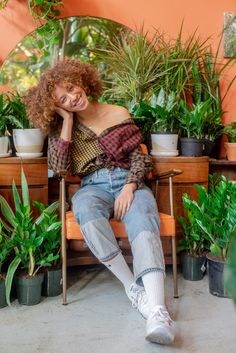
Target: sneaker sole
{"x": 160, "y": 335}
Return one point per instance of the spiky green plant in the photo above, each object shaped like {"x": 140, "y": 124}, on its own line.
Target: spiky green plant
{"x": 136, "y": 65}
{"x": 27, "y": 234}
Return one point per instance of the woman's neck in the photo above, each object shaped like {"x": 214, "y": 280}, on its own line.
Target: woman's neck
{"x": 89, "y": 113}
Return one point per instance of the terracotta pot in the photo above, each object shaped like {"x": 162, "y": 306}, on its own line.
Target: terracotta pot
{"x": 230, "y": 151}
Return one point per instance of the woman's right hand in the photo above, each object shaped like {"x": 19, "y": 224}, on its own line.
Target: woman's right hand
{"x": 67, "y": 125}
{"x": 64, "y": 113}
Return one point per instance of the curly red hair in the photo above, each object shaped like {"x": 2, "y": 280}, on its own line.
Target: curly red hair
{"x": 40, "y": 105}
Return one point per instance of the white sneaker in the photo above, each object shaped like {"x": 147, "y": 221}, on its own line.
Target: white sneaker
{"x": 138, "y": 298}
{"x": 160, "y": 328}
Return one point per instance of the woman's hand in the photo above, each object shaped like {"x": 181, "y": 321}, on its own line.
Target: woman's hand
{"x": 67, "y": 125}
{"x": 124, "y": 200}
{"x": 64, "y": 113}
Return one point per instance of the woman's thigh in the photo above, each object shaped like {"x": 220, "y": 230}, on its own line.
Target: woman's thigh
{"x": 90, "y": 203}
{"x": 142, "y": 215}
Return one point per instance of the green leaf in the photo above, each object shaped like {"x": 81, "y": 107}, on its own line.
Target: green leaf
{"x": 9, "y": 277}
{"x": 25, "y": 190}
{"x": 7, "y": 211}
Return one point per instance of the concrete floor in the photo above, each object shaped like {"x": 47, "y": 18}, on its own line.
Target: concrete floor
{"x": 100, "y": 319}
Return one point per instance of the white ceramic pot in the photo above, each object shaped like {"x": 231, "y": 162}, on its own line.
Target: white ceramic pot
{"x": 4, "y": 145}
{"x": 164, "y": 143}
{"x": 28, "y": 140}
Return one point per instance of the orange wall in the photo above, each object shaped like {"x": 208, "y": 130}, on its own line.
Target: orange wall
{"x": 207, "y": 15}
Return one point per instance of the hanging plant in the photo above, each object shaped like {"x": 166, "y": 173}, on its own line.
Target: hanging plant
{"x": 40, "y": 9}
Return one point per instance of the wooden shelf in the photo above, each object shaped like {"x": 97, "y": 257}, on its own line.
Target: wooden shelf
{"x": 223, "y": 167}
{"x": 36, "y": 172}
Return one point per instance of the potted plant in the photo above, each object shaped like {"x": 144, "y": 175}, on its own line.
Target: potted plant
{"x": 230, "y": 146}
{"x": 51, "y": 227}
{"x": 158, "y": 119}
{"x": 215, "y": 215}
{"x": 27, "y": 237}
{"x": 7, "y": 121}
{"x": 230, "y": 270}
{"x": 191, "y": 246}
{"x": 192, "y": 122}
{"x": 28, "y": 142}
{"x": 5, "y": 250}
{"x": 164, "y": 131}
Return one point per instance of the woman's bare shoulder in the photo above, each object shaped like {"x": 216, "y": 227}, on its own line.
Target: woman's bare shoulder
{"x": 118, "y": 113}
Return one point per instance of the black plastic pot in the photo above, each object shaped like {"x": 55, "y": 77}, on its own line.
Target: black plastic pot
{"x": 29, "y": 289}
{"x": 3, "y": 302}
{"x": 191, "y": 147}
{"x": 193, "y": 267}
{"x": 208, "y": 148}
{"x": 216, "y": 276}
{"x": 52, "y": 283}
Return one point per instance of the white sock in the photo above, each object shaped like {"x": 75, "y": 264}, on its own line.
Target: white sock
{"x": 154, "y": 286}
{"x": 121, "y": 270}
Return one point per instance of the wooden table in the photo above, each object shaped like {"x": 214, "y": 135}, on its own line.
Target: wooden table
{"x": 195, "y": 171}
{"x": 36, "y": 172}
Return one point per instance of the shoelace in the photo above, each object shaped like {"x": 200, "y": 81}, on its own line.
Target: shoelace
{"x": 163, "y": 316}
{"x": 137, "y": 296}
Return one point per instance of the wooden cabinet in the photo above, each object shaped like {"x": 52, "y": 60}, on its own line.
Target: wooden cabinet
{"x": 36, "y": 172}
{"x": 195, "y": 171}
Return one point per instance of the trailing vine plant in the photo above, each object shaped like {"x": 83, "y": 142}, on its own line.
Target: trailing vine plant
{"x": 40, "y": 9}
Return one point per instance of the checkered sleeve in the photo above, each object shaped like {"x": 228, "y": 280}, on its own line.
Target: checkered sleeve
{"x": 140, "y": 165}
{"x": 58, "y": 153}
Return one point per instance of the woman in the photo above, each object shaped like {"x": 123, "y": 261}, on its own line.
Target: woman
{"x": 100, "y": 142}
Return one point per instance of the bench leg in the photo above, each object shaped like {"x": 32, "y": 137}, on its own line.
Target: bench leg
{"x": 174, "y": 264}
{"x": 63, "y": 241}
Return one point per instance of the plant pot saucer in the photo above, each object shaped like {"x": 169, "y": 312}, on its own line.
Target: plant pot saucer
{"x": 2, "y": 155}
{"x": 29, "y": 154}
{"x": 165, "y": 153}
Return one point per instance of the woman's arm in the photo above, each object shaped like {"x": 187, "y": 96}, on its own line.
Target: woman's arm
{"x": 59, "y": 145}
{"x": 140, "y": 165}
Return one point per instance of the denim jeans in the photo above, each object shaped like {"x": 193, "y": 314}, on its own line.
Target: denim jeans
{"x": 93, "y": 206}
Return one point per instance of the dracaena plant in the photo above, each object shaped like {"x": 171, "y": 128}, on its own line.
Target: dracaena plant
{"x": 28, "y": 235}
{"x": 5, "y": 247}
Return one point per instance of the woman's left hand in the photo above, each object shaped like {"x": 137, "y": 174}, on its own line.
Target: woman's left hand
{"x": 124, "y": 200}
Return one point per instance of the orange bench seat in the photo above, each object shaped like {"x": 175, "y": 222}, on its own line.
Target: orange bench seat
{"x": 73, "y": 228}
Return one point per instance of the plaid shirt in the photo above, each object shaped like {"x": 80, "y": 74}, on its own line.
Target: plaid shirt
{"x": 117, "y": 146}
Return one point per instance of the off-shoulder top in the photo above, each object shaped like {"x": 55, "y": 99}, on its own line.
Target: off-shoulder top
{"x": 116, "y": 146}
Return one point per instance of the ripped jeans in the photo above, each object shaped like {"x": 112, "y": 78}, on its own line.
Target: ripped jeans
{"x": 93, "y": 206}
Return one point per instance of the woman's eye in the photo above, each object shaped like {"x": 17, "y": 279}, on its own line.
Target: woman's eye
{"x": 70, "y": 88}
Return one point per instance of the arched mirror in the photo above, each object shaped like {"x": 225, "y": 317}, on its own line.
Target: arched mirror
{"x": 81, "y": 38}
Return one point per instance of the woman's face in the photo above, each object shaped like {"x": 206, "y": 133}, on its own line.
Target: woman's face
{"x": 70, "y": 97}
